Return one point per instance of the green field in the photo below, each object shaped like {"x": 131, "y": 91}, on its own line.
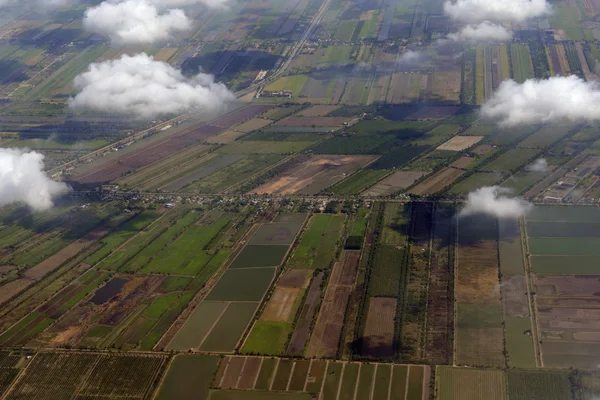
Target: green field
{"x": 538, "y": 385}
{"x": 521, "y": 62}
{"x": 278, "y": 233}
{"x": 519, "y": 345}
{"x": 242, "y": 285}
{"x": 475, "y": 181}
{"x": 230, "y": 328}
{"x": 267, "y": 338}
{"x": 469, "y": 384}
{"x": 317, "y": 246}
{"x": 358, "y": 182}
{"x": 510, "y": 160}
{"x": 188, "y": 377}
{"x": 294, "y": 83}
{"x": 567, "y": 19}
{"x": 269, "y": 147}
{"x": 585, "y": 246}
{"x": 257, "y": 256}
{"x": 564, "y": 214}
{"x": 562, "y": 229}
{"x": 197, "y": 325}
{"x": 566, "y": 265}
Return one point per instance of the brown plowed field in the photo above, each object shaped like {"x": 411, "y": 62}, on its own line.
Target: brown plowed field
{"x": 300, "y": 335}
{"x": 514, "y": 296}
{"x": 344, "y": 271}
{"x": 397, "y": 181}
{"x": 55, "y": 261}
{"x": 314, "y": 175}
{"x": 155, "y": 151}
{"x": 477, "y": 277}
{"x": 459, "y": 143}
{"x": 438, "y": 181}
{"x": 439, "y": 301}
{"x": 313, "y": 121}
{"x": 249, "y": 373}
{"x": 482, "y": 149}
{"x": 12, "y": 288}
{"x": 326, "y": 335}
{"x": 232, "y": 373}
{"x": 280, "y": 305}
{"x": 294, "y": 278}
{"x": 462, "y": 162}
{"x": 379, "y": 329}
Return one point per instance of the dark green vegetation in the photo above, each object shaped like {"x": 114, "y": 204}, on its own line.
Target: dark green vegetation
{"x": 188, "y": 377}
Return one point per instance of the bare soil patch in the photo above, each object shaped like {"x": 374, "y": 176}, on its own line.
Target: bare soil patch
{"x": 280, "y": 305}
{"x": 294, "y": 278}
{"x": 477, "y": 277}
{"x": 55, "y": 261}
{"x": 232, "y": 373}
{"x": 253, "y": 124}
{"x": 459, "y": 143}
{"x": 249, "y": 373}
{"x": 301, "y": 333}
{"x": 165, "y": 53}
{"x": 344, "y": 271}
{"x": 482, "y": 149}
{"x": 514, "y": 295}
{"x": 438, "y": 181}
{"x": 462, "y": 162}
{"x": 379, "y": 329}
{"x": 13, "y": 288}
{"x": 397, "y": 181}
{"x": 314, "y": 175}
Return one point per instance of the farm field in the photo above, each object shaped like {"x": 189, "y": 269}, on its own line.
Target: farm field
{"x": 322, "y": 377}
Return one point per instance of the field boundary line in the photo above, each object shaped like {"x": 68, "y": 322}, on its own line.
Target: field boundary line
{"x": 307, "y": 375}
{"x": 323, "y": 381}
{"x": 533, "y": 321}
{"x": 274, "y": 374}
{"x": 389, "y": 392}
{"x": 212, "y": 326}
{"x": 339, "y": 388}
{"x": 430, "y": 251}
{"x": 262, "y": 359}
{"x": 154, "y": 393}
{"x": 207, "y": 288}
{"x": 407, "y": 381}
{"x": 220, "y": 383}
{"x": 287, "y": 386}
{"x": 17, "y": 379}
{"x": 454, "y": 302}
{"x": 357, "y": 381}
{"x": 237, "y": 383}
{"x": 373, "y": 382}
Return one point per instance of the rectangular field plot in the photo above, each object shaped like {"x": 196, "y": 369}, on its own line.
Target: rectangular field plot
{"x": 562, "y": 229}
{"x": 510, "y": 160}
{"x": 257, "y": 256}
{"x": 583, "y": 246}
{"x": 538, "y": 385}
{"x": 315, "y": 174}
{"x": 188, "y": 377}
{"x": 378, "y": 338}
{"x": 277, "y": 233}
{"x": 460, "y": 143}
{"x": 63, "y": 375}
{"x": 397, "y": 181}
{"x": 267, "y": 338}
{"x": 246, "y": 395}
{"x": 198, "y": 325}
{"x": 570, "y": 213}
{"x": 227, "y": 332}
{"x": 469, "y": 384}
{"x": 566, "y": 265}
{"x": 317, "y": 246}
{"x": 242, "y": 285}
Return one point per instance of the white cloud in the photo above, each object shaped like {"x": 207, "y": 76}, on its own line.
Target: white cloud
{"x": 134, "y": 22}
{"x": 22, "y": 179}
{"x": 483, "y": 32}
{"x": 548, "y": 100}
{"x": 410, "y": 58}
{"x": 474, "y": 11}
{"x": 491, "y": 200}
{"x": 539, "y": 165}
{"x": 37, "y": 3}
{"x": 181, "y": 3}
{"x": 139, "y": 85}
